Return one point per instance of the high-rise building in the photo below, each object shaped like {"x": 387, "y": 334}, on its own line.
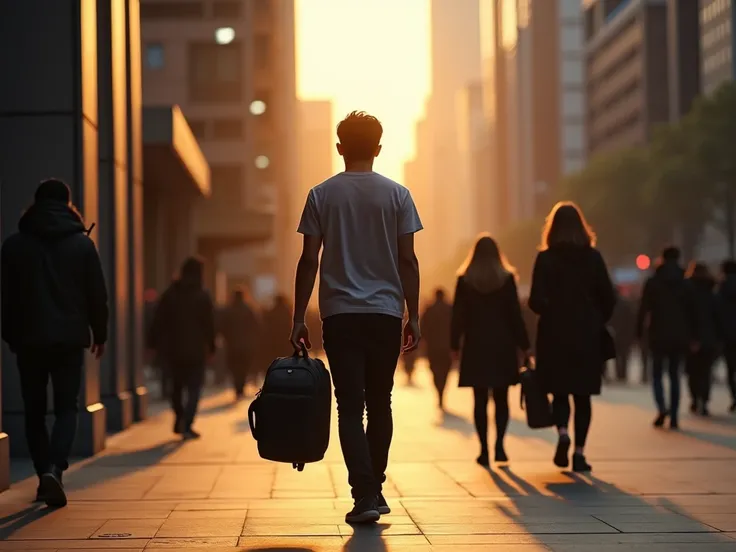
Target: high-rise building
{"x": 717, "y": 43}
{"x": 534, "y": 102}
{"x": 230, "y": 65}
{"x": 627, "y": 72}
{"x": 455, "y": 45}
{"x": 683, "y": 49}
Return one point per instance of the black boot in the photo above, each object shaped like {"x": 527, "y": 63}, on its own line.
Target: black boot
{"x": 53, "y": 488}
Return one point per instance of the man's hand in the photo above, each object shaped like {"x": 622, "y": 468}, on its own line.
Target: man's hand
{"x": 300, "y": 336}
{"x": 412, "y": 336}
{"x": 97, "y": 349}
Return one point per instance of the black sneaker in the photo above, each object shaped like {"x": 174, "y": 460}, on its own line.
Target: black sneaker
{"x": 40, "y": 492}
{"x": 674, "y": 424}
{"x": 191, "y": 434}
{"x": 660, "y": 419}
{"x": 579, "y": 464}
{"x": 178, "y": 427}
{"x": 561, "y": 459}
{"x": 501, "y": 454}
{"x": 383, "y": 508}
{"x": 53, "y": 488}
{"x": 364, "y": 511}
{"x": 483, "y": 459}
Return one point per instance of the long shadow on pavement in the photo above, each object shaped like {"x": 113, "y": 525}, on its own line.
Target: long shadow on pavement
{"x": 16, "y": 521}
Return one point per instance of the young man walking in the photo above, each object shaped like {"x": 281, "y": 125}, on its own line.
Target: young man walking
{"x": 54, "y": 306}
{"x": 369, "y": 275}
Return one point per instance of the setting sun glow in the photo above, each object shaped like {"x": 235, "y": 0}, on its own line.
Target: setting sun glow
{"x": 371, "y": 55}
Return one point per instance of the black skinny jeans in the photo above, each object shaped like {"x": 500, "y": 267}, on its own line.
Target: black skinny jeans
{"x": 65, "y": 367}
{"x": 480, "y": 414}
{"x": 362, "y": 350}
{"x": 583, "y": 413}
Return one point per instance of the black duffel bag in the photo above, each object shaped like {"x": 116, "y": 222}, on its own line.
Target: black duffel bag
{"x": 534, "y": 400}
{"x": 290, "y": 416}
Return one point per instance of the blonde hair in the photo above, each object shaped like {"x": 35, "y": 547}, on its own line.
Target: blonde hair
{"x": 566, "y": 225}
{"x": 486, "y": 269}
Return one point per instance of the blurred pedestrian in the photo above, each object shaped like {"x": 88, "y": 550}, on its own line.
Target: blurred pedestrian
{"x": 240, "y": 331}
{"x": 489, "y": 335}
{"x": 623, "y": 324}
{"x": 53, "y": 298}
{"x": 704, "y": 347}
{"x": 665, "y": 314}
{"x": 727, "y": 323}
{"x": 276, "y": 324}
{"x": 435, "y": 326}
{"x": 183, "y": 337}
{"x": 369, "y": 277}
{"x": 573, "y": 295}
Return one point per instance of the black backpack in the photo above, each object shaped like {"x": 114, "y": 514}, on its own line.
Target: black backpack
{"x": 290, "y": 416}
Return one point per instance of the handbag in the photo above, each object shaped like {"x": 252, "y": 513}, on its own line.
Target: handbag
{"x": 534, "y": 400}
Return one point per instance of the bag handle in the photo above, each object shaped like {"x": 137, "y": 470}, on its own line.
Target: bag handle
{"x": 302, "y": 351}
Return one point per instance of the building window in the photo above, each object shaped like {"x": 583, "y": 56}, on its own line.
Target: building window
{"x": 215, "y": 72}
{"x": 227, "y": 129}
{"x": 155, "y": 55}
{"x": 199, "y": 128}
{"x": 262, "y": 51}
{"x": 227, "y": 8}
{"x": 172, "y": 10}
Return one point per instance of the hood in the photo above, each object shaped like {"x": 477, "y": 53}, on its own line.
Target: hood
{"x": 728, "y": 286}
{"x": 51, "y": 220}
{"x": 670, "y": 272}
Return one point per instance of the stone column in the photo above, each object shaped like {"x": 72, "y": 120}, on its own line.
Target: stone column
{"x": 113, "y": 222}
{"x": 4, "y": 446}
{"x": 48, "y": 127}
{"x": 135, "y": 207}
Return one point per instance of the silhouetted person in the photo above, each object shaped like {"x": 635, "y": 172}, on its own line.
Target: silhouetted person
{"x": 704, "y": 350}
{"x": 276, "y": 324}
{"x": 487, "y": 326}
{"x": 183, "y": 336}
{"x": 665, "y": 316}
{"x": 409, "y": 362}
{"x": 240, "y": 330}
{"x": 623, "y": 323}
{"x": 436, "y": 330}
{"x": 54, "y": 306}
{"x": 573, "y": 295}
{"x": 369, "y": 277}
{"x": 727, "y": 323}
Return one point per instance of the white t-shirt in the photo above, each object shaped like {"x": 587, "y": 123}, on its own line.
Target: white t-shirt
{"x": 360, "y": 216}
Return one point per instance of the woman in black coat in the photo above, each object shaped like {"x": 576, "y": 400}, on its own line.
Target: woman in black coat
{"x": 487, "y": 326}
{"x": 574, "y": 298}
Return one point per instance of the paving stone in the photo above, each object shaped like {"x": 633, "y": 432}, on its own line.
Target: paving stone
{"x": 201, "y": 527}
{"x": 666, "y": 491}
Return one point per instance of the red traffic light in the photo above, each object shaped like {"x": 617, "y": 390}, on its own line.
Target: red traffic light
{"x": 643, "y": 262}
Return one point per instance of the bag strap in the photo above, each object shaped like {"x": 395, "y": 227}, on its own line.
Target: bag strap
{"x": 302, "y": 352}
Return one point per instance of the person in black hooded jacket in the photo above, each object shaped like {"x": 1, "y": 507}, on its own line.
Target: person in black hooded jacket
{"x": 183, "y": 336}
{"x": 54, "y": 306}
{"x": 665, "y": 315}
{"x": 726, "y": 303}
{"x": 702, "y": 355}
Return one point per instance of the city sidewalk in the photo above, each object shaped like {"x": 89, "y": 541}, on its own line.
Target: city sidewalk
{"x": 650, "y": 490}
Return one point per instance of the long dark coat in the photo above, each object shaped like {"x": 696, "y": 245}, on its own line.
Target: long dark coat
{"x": 490, "y": 330}
{"x": 574, "y": 298}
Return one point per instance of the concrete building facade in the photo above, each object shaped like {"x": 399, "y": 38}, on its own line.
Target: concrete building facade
{"x": 626, "y": 71}
{"x": 230, "y": 65}
{"x": 533, "y": 101}
{"x": 717, "y": 43}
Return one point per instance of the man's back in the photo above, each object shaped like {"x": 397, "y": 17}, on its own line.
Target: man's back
{"x": 666, "y": 300}
{"x": 53, "y": 286}
{"x": 360, "y": 216}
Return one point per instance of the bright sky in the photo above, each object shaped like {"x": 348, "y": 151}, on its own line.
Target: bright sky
{"x": 372, "y": 55}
